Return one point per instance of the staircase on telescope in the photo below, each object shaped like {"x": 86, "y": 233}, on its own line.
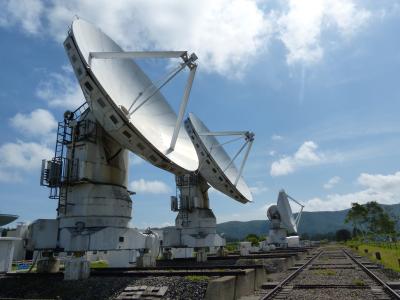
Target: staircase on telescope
{"x": 60, "y": 171}
{"x": 186, "y": 181}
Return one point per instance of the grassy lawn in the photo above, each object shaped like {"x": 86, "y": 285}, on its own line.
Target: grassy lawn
{"x": 389, "y": 255}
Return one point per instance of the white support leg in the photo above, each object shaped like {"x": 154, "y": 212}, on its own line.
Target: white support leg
{"x": 77, "y": 268}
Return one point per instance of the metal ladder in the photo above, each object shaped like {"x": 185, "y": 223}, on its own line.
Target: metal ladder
{"x": 58, "y": 190}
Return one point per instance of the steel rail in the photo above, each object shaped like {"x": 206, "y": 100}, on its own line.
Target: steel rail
{"x": 280, "y": 286}
{"x": 138, "y": 273}
{"x": 373, "y": 276}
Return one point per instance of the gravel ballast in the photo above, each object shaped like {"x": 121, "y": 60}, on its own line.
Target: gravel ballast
{"x": 323, "y": 294}
{"x": 54, "y": 287}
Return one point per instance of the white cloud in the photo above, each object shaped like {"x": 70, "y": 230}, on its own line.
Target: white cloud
{"x": 226, "y": 34}
{"x": 21, "y": 157}
{"x": 60, "y": 90}
{"x": 380, "y": 182}
{"x": 301, "y": 27}
{"x": 25, "y": 13}
{"x": 384, "y": 189}
{"x": 276, "y": 137}
{"x": 332, "y": 182}
{"x": 149, "y": 187}
{"x": 39, "y": 122}
{"x": 258, "y": 188}
{"x": 306, "y": 155}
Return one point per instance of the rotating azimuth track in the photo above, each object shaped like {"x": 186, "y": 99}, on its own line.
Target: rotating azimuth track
{"x": 332, "y": 273}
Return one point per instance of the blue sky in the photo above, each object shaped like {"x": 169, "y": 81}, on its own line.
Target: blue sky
{"x": 317, "y": 81}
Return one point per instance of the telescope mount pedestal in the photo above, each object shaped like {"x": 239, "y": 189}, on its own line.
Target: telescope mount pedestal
{"x": 195, "y": 224}
{"x": 89, "y": 176}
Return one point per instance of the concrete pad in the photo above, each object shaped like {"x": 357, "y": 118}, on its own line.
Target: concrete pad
{"x": 261, "y": 277}
{"x": 245, "y": 284}
{"x": 260, "y": 273}
{"x": 276, "y": 265}
{"x": 222, "y": 288}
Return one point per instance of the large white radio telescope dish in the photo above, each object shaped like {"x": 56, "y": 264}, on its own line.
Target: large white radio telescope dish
{"x": 215, "y": 164}
{"x": 116, "y": 90}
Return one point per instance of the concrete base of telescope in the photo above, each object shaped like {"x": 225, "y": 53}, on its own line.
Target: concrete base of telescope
{"x": 48, "y": 265}
{"x": 77, "y": 268}
{"x": 201, "y": 255}
{"x": 6, "y": 253}
{"x": 146, "y": 261}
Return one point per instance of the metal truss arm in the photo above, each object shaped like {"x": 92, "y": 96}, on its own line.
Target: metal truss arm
{"x": 250, "y": 143}
{"x": 156, "y": 90}
{"x": 301, "y": 209}
{"x": 223, "y": 133}
{"x": 135, "y": 54}
{"x": 227, "y": 142}
{"x": 236, "y": 155}
{"x": 182, "y": 108}
{"x": 294, "y": 200}
{"x": 299, "y": 216}
{"x": 187, "y": 62}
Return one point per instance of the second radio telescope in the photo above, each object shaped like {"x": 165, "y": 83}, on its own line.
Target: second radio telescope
{"x": 215, "y": 164}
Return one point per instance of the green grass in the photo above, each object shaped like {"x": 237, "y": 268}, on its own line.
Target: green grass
{"x": 358, "y": 282}
{"x": 326, "y": 272}
{"x": 98, "y": 264}
{"x": 197, "y": 278}
{"x": 389, "y": 255}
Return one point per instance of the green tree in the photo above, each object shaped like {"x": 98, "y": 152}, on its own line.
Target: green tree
{"x": 253, "y": 238}
{"x": 343, "y": 235}
{"x": 305, "y": 236}
{"x": 357, "y": 216}
{"x": 374, "y": 216}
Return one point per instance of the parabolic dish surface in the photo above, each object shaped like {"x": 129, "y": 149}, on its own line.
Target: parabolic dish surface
{"x": 122, "y": 80}
{"x": 214, "y": 169}
{"x": 286, "y": 213}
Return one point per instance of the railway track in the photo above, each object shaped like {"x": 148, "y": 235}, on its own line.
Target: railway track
{"x": 331, "y": 274}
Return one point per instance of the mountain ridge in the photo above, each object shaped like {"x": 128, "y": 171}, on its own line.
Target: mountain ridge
{"x": 328, "y": 222}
